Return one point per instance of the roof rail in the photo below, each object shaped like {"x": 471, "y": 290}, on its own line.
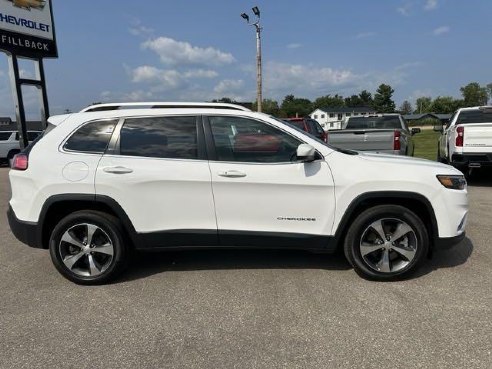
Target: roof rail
{"x": 161, "y": 105}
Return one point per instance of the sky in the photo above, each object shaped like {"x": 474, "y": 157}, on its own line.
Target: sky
{"x": 196, "y": 50}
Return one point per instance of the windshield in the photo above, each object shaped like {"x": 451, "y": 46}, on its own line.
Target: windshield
{"x": 384, "y": 122}
{"x": 475, "y": 116}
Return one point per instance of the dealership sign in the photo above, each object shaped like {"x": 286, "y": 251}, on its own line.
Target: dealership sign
{"x": 26, "y": 28}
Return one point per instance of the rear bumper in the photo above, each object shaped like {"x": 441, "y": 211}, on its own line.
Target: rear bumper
{"x": 26, "y": 232}
{"x": 474, "y": 160}
{"x": 448, "y": 242}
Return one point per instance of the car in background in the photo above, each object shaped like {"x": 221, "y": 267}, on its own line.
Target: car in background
{"x": 466, "y": 140}
{"x": 9, "y": 144}
{"x": 381, "y": 133}
{"x": 310, "y": 126}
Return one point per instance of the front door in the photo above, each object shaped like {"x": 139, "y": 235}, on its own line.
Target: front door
{"x": 263, "y": 195}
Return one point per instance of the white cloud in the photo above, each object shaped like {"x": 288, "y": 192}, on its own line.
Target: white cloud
{"x": 441, "y": 30}
{"x": 409, "y": 65}
{"x": 405, "y": 9}
{"x": 364, "y": 35}
{"x": 23, "y": 73}
{"x": 228, "y": 87}
{"x": 172, "y": 52}
{"x": 294, "y": 46}
{"x": 282, "y": 77}
{"x": 140, "y": 30}
{"x": 431, "y": 4}
{"x": 200, "y": 73}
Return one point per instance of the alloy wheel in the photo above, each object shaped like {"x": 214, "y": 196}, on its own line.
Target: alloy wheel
{"x": 86, "y": 250}
{"x": 388, "y": 245}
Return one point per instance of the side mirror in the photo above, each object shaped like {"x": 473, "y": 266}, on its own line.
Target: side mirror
{"x": 415, "y": 131}
{"x": 438, "y": 128}
{"x": 306, "y": 153}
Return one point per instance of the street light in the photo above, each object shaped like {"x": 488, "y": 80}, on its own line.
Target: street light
{"x": 258, "y": 28}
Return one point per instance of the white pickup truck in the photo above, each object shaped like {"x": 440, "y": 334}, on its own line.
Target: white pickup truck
{"x": 9, "y": 143}
{"x": 466, "y": 140}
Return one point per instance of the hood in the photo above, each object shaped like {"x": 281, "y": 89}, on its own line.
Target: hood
{"x": 407, "y": 161}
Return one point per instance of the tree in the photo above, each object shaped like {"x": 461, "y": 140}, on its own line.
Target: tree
{"x": 406, "y": 107}
{"x": 329, "y": 101}
{"x": 227, "y": 100}
{"x": 383, "y": 102}
{"x": 444, "y": 105}
{"x": 474, "y": 94}
{"x": 292, "y": 106}
{"x": 366, "y": 98}
{"x": 353, "y": 101}
{"x": 268, "y": 106}
{"x": 423, "y": 105}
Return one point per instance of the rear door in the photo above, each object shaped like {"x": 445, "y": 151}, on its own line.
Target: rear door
{"x": 158, "y": 173}
{"x": 262, "y": 194}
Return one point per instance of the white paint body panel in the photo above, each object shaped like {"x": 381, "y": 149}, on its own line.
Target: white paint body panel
{"x": 160, "y": 194}
{"x": 270, "y": 193}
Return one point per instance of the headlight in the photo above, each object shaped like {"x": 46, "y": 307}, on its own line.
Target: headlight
{"x": 453, "y": 182}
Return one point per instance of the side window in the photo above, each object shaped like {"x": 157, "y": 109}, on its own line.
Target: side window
{"x": 248, "y": 140}
{"x": 160, "y": 137}
{"x": 92, "y": 137}
{"x": 4, "y": 136}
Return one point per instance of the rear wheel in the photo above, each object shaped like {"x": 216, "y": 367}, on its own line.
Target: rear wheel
{"x": 386, "y": 242}
{"x": 87, "y": 247}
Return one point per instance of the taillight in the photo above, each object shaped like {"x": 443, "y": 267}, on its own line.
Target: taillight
{"x": 460, "y": 136}
{"x": 396, "y": 141}
{"x": 20, "y": 162}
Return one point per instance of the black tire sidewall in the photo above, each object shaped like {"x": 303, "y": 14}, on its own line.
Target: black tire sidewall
{"x": 360, "y": 224}
{"x": 114, "y": 230}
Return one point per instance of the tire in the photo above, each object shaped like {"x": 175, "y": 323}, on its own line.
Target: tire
{"x": 96, "y": 263}
{"x": 392, "y": 258}
{"x": 440, "y": 159}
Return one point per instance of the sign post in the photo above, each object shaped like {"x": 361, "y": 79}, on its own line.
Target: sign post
{"x": 27, "y": 31}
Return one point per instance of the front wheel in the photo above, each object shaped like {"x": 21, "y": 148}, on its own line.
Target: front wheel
{"x": 386, "y": 242}
{"x": 88, "y": 247}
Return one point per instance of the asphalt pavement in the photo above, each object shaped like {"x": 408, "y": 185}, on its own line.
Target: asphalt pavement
{"x": 250, "y": 309}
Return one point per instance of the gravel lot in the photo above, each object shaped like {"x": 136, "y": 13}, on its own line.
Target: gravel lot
{"x": 250, "y": 309}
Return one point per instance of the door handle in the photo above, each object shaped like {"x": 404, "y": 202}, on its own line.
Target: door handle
{"x": 117, "y": 170}
{"x": 232, "y": 174}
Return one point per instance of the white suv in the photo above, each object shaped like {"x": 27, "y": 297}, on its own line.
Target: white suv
{"x": 9, "y": 143}
{"x": 117, "y": 178}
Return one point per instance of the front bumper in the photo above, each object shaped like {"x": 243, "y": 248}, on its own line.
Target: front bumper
{"x": 448, "y": 242}
{"x": 26, "y": 232}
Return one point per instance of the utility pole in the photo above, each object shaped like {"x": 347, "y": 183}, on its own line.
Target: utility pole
{"x": 259, "y": 81}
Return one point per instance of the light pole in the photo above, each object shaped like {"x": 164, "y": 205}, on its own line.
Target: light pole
{"x": 258, "y": 28}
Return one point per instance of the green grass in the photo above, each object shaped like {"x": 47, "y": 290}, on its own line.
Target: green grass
{"x": 426, "y": 144}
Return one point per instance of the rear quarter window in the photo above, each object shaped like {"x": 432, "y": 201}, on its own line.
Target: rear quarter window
{"x": 92, "y": 137}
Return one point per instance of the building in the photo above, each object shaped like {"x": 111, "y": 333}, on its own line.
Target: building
{"x": 416, "y": 118}
{"x": 332, "y": 118}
